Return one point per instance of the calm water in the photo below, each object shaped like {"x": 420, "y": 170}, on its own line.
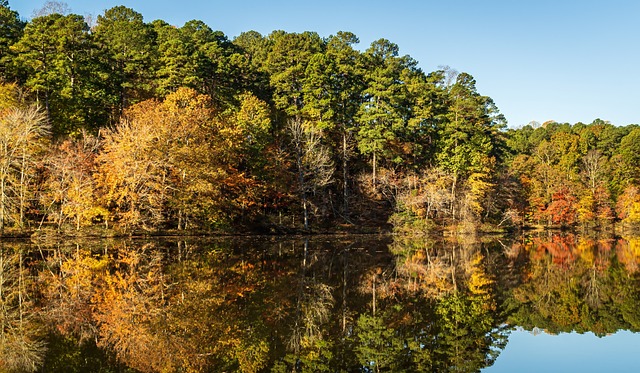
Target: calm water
{"x": 529, "y": 352}
{"x": 553, "y": 302}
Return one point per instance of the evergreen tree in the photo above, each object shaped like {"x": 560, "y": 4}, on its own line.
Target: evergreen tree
{"x": 287, "y": 63}
{"x": 10, "y": 31}
{"x": 128, "y": 49}
{"x": 56, "y": 55}
{"x": 383, "y": 114}
{"x": 470, "y": 141}
{"x": 333, "y": 88}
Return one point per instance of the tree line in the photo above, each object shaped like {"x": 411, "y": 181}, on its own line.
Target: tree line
{"x": 137, "y": 125}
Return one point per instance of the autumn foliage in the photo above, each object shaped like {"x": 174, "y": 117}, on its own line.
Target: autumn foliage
{"x": 176, "y": 162}
{"x": 138, "y": 126}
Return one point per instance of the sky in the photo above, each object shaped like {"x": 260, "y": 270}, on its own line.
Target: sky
{"x": 527, "y": 352}
{"x": 563, "y": 60}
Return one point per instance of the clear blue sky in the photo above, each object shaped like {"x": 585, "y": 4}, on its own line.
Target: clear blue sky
{"x": 568, "y": 61}
{"x": 568, "y": 352}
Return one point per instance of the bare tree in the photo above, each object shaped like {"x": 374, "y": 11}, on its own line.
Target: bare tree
{"x": 21, "y": 349}
{"x": 52, "y": 7}
{"x": 313, "y": 162}
{"x": 22, "y": 133}
{"x": 70, "y": 182}
{"x": 593, "y": 168}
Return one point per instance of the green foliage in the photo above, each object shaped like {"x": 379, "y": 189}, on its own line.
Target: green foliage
{"x": 428, "y": 105}
{"x": 471, "y": 137}
{"x": 67, "y": 354}
{"x": 378, "y": 346}
{"x": 405, "y": 222}
{"x": 56, "y": 55}
{"x": 629, "y": 151}
{"x": 466, "y": 325}
{"x": 287, "y": 62}
{"x": 382, "y": 115}
{"x": 374, "y": 115}
{"x": 126, "y": 47}
{"x": 10, "y": 32}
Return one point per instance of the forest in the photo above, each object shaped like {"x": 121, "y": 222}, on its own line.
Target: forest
{"x": 122, "y": 125}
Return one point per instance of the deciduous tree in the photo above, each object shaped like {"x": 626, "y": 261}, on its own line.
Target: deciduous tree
{"x": 23, "y": 132}
{"x": 70, "y": 185}
{"x": 313, "y": 163}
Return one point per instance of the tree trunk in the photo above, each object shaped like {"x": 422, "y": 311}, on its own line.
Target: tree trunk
{"x": 374, "y": 294}
{"x": 303, "y": 194}
{"x": 345, "y": 183}
{"x": 4, "y": 175}
{"x": 20, "y": 285}
{"x": 344, "y": 292}
{"x": 300, "y": 166}
{"x": 23, "y": 181}
{"x": 3, "y": 202}
{"x": 2, "y": 315}
{"x": 374, "y": 169}
{"x": 453, "y": 196}
{"x": 453, "y": 269}
{"x": 306, "y": 213}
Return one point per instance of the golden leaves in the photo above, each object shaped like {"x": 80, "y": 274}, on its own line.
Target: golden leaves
{"x": 178, "y": 158}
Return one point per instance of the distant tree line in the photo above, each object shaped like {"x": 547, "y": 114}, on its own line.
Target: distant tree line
{"x": 136, "y": 125}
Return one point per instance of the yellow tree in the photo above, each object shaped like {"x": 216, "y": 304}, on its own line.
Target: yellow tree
{"x": 195, "y": 156}
{"x": 68, "y": 291}
{"x": 129, "y": 305}
{"x": 10, "y": 96}
{"x": 179, "y": 162}
{"x": 131, "y": 171}
{"x": 628, "y": 206}
{"x": 137, "y": 168}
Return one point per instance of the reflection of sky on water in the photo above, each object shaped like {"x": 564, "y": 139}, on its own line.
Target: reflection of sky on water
{"x": 569, "y": 352}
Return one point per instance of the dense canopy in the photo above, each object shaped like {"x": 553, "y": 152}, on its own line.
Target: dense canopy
{"x": 138, "y": 125}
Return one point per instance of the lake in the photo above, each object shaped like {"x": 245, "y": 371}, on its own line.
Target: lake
{"x": 539, "y": 302}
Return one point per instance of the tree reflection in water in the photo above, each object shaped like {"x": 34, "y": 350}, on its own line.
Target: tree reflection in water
{"x": 366, "y": 304}
{"x": 21, "y": 337}
{"x": 580, "y": 284}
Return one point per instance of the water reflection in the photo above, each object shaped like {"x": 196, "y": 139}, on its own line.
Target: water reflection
{"x": 364, "y": 304}
{"x": 573, "y": 283}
